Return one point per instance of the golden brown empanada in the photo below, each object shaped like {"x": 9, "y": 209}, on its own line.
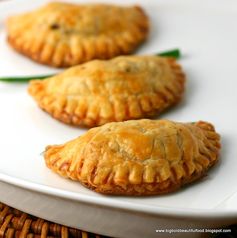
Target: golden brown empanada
{"x": 138, "y": 157}
{"x": 64, "y": 34}
{"x": 97, "y": 92}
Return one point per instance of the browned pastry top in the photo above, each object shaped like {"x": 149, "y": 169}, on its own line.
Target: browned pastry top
{"x": 97, "y": 92}
{"x": 139, "y": 157}
{"x": 63, "y": 34}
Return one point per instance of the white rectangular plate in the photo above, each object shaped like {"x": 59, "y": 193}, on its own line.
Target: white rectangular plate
{"x": 207, "y": 36}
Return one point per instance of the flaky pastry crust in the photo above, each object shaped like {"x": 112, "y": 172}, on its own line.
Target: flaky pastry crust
{"x": 63, "y": 34}
{"x": 138, "y": 157}
{"x": 98, "y": 92}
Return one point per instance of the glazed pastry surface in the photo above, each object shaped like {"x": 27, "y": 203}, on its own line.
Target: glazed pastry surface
{"x": 102, "y": 91}
{"x": 63, "y": 34}
{"x": 138, "y": 157}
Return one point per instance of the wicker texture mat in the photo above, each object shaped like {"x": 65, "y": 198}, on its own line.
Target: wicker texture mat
{"x": 17, "y": 224}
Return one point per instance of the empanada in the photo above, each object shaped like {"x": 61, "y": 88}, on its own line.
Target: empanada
{"x": 137, "y": 157}
{"x": 64, "y": 34}
{"x": 100, "y": 91}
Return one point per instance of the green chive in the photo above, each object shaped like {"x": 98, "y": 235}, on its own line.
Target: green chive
{"x": 24, "y": 78}
{"x": 175, "y": 53}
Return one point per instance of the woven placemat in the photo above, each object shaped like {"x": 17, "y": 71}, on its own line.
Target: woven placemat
{"x": 17, "y": 224}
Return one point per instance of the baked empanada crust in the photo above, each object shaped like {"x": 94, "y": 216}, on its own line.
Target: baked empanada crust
{"x": 102, "y": 91}
{"x": 63, "y": 34}
{"x": 137, "y": 157}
